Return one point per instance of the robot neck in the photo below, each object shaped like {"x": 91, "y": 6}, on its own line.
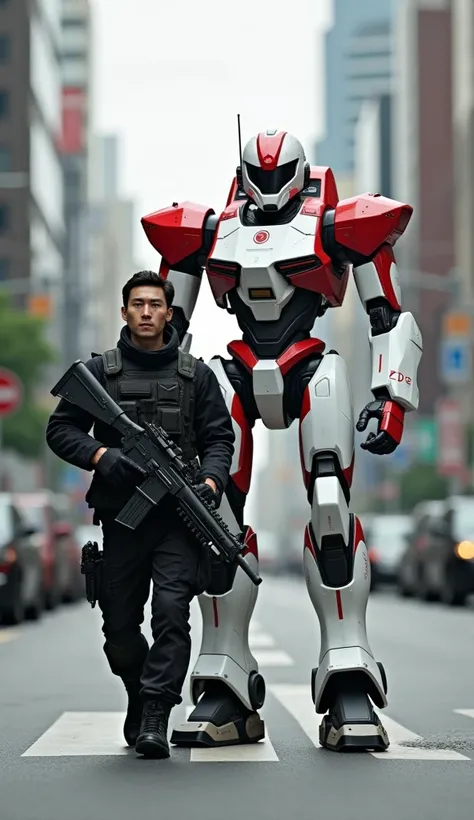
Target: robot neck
{"x": 285, "y": 214}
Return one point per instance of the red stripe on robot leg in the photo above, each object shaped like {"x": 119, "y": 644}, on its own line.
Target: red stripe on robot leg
{"x": 251, "y": 544}
{"x": 340, "y": 613}
{"x": 305, "y": 408}
{"x": 358, "y": 533}
{"x": 242, "y": 476}
{"x": 308, "y": 542}
{"x": 348, "y": 472}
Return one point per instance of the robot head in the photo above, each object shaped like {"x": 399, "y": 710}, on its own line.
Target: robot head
{"x": 274, "y": 169}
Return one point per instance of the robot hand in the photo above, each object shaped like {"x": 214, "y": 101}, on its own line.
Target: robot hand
{"x": 390, "y": 417}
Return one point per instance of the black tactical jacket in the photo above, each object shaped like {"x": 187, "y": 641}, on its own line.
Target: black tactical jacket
{"x": 212, "y": 437}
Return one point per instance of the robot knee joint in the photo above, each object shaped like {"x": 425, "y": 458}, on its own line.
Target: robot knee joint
{"x": 326, "y": 464}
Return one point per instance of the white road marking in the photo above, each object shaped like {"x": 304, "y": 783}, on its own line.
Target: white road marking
{"x": 465, "y": 712}
{"x": 262, "y": 751}
{"x": 82, "y": 733}
{"x": 272, "y": 657}
{"x": 260, "y": 640}
{"x": 296, "y": 699}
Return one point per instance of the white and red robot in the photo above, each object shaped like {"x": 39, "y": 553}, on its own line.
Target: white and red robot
{"x": 278, "y": 257}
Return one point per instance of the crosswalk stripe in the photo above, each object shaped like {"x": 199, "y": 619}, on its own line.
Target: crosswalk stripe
{"x": 398, "y": 734}
{"x": 465, "y": 712}
{"x": 296, "y": 699}
{"x": 82, "y": 734}
{"x": 101, "y": 733}
{"x": 262, "y": 751}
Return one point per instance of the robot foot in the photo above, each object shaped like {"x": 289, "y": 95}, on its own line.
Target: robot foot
{"x": 352, "y": 725}
{"x": 219, "y": 719}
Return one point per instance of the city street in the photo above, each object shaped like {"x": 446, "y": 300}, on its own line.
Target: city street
{"x": 62, "y": 754}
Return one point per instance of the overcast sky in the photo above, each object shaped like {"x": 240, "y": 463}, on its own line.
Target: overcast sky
{"x": 170, "y": 78}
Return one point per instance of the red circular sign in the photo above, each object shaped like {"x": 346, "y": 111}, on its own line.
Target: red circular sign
{"x": 261, "y": 237}
{"x": 11, "y": 392}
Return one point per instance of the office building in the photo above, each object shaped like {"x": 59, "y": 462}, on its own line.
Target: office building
{"x": 424, "y": 173}
{"x": 31, "y": 182}
{"x": 112, "y": 230}
{"x": 357, "y": 64}
{"x": 463, "y": 124}
{"x": 76, "y": 75}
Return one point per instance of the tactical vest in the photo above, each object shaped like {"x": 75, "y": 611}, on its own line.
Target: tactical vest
{"x": 165, "y": 397}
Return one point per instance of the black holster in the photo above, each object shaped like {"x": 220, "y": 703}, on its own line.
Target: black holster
{"x": 91, "y": 568}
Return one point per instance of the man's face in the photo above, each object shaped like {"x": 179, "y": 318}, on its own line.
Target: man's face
{"x": 147, "y": 313}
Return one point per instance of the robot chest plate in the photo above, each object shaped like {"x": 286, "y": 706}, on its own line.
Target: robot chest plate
{"x": 260, "y": 260}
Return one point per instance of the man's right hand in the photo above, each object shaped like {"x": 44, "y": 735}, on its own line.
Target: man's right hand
{"x": 116, "y": 468}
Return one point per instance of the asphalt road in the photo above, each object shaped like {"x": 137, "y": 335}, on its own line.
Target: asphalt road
{"x": 60, "y": 760}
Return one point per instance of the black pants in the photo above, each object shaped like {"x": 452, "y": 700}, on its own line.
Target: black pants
{"x": 160, "y": 551}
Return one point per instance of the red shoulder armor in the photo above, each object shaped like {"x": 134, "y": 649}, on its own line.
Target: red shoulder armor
{"x": 364, "y": 223}
{"x": 177, "y": 232}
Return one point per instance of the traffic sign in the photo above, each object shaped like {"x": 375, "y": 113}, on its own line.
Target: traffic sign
{"x": 456, "y": 325}
{"x": 426, "y": 440}
{"x": 451, "y": 438}
{"x": 456, "y": 360}
{"x": 11, "y": 392}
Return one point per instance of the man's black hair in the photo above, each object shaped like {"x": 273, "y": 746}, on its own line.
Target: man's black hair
{"x": 151, "y": 279}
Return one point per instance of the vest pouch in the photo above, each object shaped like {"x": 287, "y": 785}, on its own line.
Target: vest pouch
{"x": 133, "y": 394}
{"x": 168, "y": 393}
{"x": 170, "y": 419}
{"x": 131, "y": 389}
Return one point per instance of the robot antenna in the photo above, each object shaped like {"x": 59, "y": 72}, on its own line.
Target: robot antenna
{"x": 240, "y": 139}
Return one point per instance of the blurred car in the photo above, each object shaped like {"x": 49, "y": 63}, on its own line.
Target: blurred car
{"x": 21, "y": 572}
{"x": 48, "y": 513}
{"x": 385, "y": 537}
{"x": 443, "y": 551}
{"x": 410, "y": 578}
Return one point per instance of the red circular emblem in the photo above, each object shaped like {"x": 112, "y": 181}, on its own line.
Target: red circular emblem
{"x": 261, "y": 237}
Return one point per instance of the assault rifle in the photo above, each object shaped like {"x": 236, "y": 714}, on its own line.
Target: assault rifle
{"x": 153, "y": 450}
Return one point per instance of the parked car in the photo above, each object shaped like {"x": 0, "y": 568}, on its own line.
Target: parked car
{"x": 445, "y": 561}
{"x": 385, "y": 537}
{"x": 411, "y": 572}
{"x": 48, "y": 513}
{"x": 21, "y": 572}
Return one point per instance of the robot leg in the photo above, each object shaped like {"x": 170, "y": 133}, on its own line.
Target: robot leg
{"x": 226, "y": 686}
{"x": 348, "y": 680}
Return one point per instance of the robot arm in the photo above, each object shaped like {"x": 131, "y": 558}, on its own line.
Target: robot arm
{"x": 183, "y": 235}
{"x": 364, "y": 231}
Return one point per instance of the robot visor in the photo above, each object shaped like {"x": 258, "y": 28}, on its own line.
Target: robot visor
{"x": 271, "y": 182}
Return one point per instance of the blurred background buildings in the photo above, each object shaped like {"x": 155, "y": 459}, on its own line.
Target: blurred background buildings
{"x": 398, "y": 112}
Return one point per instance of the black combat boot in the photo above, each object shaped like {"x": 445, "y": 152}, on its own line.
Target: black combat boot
{"x": 153, "y": 738}
{"x": 131, "y": 727}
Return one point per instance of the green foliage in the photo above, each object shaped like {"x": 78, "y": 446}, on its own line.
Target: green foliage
{"x": 25, "y": 351}
{"x": 421, "y": 483}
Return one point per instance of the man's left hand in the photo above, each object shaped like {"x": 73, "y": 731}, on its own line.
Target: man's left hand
{"x": 390, "y": 416}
